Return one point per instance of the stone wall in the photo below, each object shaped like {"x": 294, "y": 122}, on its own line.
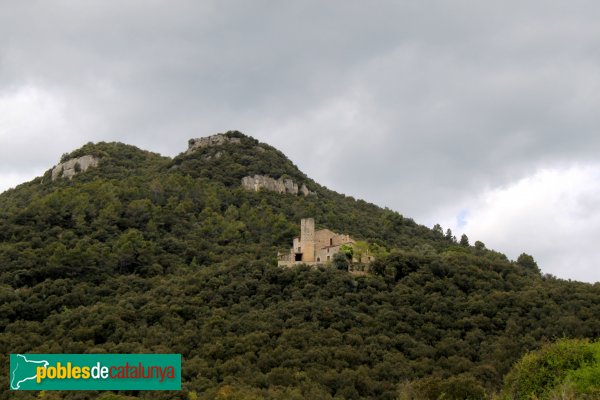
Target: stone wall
{"x": 210, "y": 141}
{"x": 72, "y": 167}
{"x": 258, "y": 182}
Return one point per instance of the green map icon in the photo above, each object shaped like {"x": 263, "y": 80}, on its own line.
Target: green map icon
{"x": 23, "y": 369}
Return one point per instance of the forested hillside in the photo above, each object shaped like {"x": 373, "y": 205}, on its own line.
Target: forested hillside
{"x": 147, "y": 254}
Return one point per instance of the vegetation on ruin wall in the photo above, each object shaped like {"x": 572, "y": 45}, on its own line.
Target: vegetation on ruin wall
{"x": 147, "y": 254}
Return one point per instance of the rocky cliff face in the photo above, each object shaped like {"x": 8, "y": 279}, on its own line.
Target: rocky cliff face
{"x": 72, "y": 167}
{"x": 209, "y": 141}
{"x": 258, "y": 182}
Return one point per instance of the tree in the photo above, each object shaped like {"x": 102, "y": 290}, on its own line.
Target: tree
{"x": 568, "y": 365}
{"x": 464, "y": 240}
{"x": 150, "y": 254}
{"x": 449, "y": 236}
{"x": 340, "y": 261}
{"x": 347, "y": 250}
{"x": 377, "y": 251}
{"x": 361, "y": 250}
{"x": 527, "y": 261}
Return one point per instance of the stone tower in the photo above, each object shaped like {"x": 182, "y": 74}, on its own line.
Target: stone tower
{"x": 307, "y": 239}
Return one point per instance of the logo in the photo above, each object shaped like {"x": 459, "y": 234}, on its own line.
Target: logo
{"x": 95, "y": 372}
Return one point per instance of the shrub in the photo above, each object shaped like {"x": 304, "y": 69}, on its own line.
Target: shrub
{"x": 560, "y": 367}
{"x": 462, "y": 387}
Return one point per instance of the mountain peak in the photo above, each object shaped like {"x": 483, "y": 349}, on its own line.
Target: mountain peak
{"x": 232, "y": 156}
{"x": 106, "y": 159}
{"x": 219, "y": 139}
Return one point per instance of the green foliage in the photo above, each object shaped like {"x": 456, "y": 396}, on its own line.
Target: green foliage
{"x": 461, "y": 387}
{"x": 149, "y": 254}
{"x": 399, "y": 264}
{"x": 347, "y": 250}
{"x": 360, "y": 251}
{"x": 585, "y": 381}
{"x": 527, "y": 261}
{"x": 449, "y": 236}
{"x": 567, "y": 366}
{"x": 464, "y": 240}
{"x": 340, "y": 261}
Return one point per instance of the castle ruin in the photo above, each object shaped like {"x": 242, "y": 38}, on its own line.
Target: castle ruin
{"x": 315, "y": 247}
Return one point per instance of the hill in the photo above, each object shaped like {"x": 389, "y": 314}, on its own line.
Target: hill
{"x": 144, "y": 253}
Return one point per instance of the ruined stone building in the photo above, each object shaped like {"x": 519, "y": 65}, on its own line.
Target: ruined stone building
{"x": 315, "y": 247}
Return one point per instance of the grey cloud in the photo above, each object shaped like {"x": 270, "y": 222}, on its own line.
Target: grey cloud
{"x": 467, "y": 88}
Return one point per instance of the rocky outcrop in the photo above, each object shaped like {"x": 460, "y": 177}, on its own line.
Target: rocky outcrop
{"x": 210, "y": 141}
{"x": 304, "y": 190}
{"x": 216, "y": 156}
{"x": 72, "y": 167}
{"x": 258, "y": 182}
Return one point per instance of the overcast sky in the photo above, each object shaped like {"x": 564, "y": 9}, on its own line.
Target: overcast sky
{"x": 481, "y": 116}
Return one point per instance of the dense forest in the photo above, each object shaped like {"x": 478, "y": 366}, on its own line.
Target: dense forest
{"x": 148, "y": 254}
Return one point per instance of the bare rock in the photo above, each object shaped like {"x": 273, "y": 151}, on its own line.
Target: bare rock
{"x": 258, "y": 182}
{"x": 304, "y": 190}
{"x": 72, "y": 167}
{"x": 210, "y": 141}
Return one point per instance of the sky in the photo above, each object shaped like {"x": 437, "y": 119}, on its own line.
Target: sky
{"x": 480, "y": 116}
